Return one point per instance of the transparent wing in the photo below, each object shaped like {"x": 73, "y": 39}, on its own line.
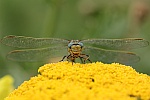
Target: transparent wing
{"x": 43, "y": 54}
{"x": 117, "y": 44}
{"x": 110, "y": 56}
{"x": 30, "y": 42}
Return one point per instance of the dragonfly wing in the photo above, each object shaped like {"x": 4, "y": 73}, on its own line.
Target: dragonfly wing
{"x": 117, "y": 44}
{"x": 43, "y": 54}
{"x": 30, "y": 42}
{"x": 110, "y": 56}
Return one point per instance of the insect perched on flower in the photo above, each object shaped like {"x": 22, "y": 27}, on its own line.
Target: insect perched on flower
{"x": 104, "y": 50}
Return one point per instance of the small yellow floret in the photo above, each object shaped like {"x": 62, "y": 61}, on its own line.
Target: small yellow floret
{"x": 92, "y": 81}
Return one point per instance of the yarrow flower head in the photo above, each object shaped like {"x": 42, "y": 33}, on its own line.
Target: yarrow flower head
{"x": 6, "y": 86}
{"x": 92, "y": 81}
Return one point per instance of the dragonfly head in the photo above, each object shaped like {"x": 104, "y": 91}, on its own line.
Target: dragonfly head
{"x": 75, "y": 47}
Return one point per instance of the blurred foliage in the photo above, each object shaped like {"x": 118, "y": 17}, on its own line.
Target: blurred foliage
{"x": 72, "y": 19}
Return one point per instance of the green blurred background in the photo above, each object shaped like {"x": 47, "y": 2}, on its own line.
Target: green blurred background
{"x": 72, "y": 19}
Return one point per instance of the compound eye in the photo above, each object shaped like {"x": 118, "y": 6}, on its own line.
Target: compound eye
{"x": 70, "y": 44}
{"x": 81, "y": 44}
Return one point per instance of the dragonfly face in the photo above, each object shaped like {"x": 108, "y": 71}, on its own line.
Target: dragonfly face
{"x": 104, "y": 50}
{"x": 75, "y": 47}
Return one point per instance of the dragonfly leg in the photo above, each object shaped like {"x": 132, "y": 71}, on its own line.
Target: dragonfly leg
{"x": 89, "y": 60}
{"x": 85, "y": 57}
{"x": 81, "y": 60}
{"x": 71, "y": 58}
{"x": 63, "y": 58}
{"x": 73, "y": 61}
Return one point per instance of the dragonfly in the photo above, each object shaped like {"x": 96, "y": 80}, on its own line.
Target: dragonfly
{"x": 88, "y": 50}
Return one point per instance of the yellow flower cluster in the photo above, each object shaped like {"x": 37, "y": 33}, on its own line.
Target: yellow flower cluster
{"x": 92, "y": 81}
{"x": 6, "y": 86}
